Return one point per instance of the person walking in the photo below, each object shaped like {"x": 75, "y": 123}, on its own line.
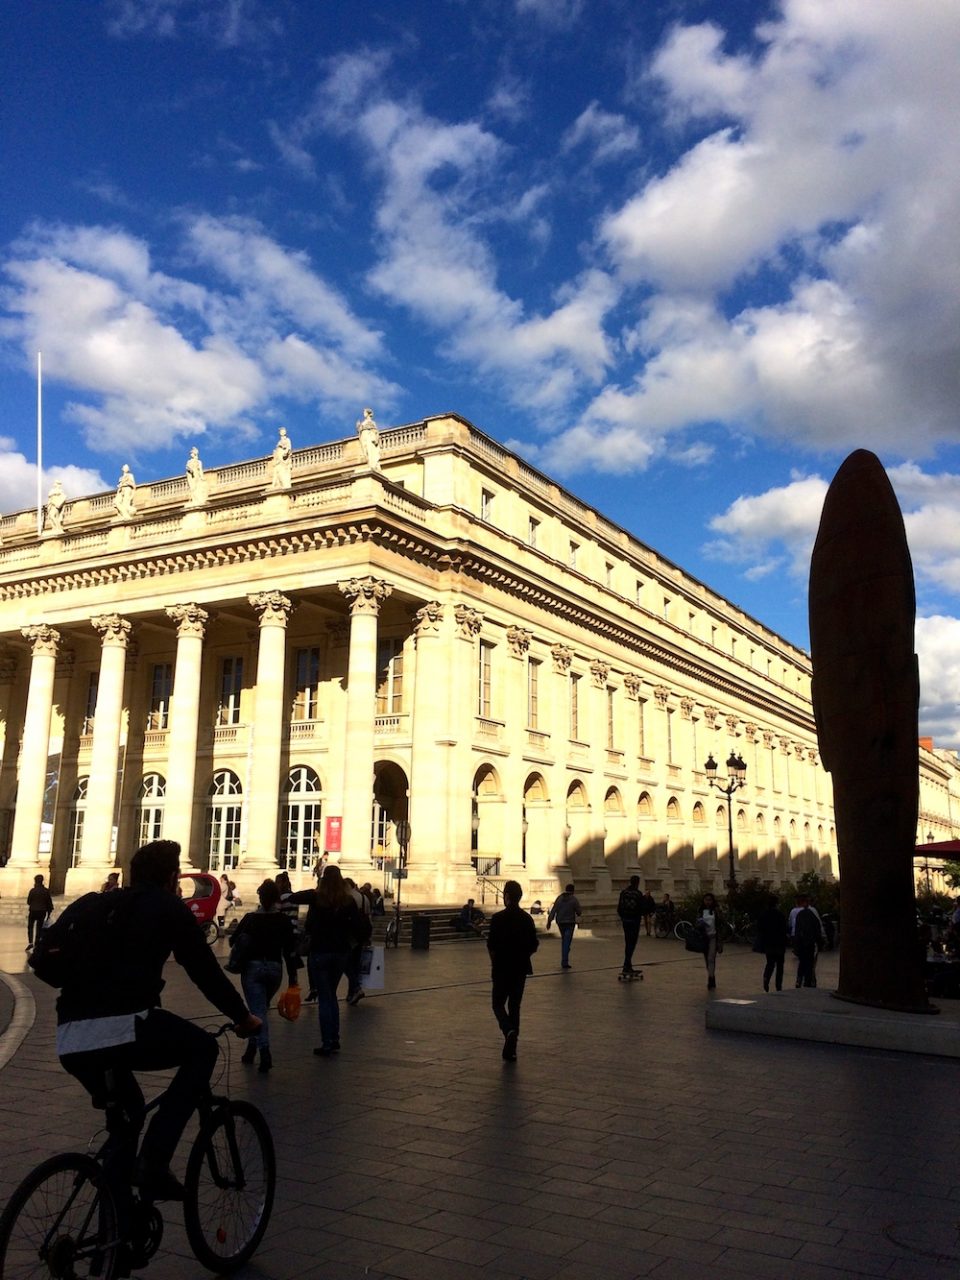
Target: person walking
{"x": 649, "y": 910}
{"x": 511, "y": 941}
{"x": 264, "y": 941}
{"x": 567, "y": 913}
{"x": 355, "y": 991}
{"x": 39, "y": 910}
{"x": 333, "y": 925}
{"x": 630, "y": 908}
{"x": 772, "y": 941}
{"x": 709, "y": 921}
{"x": 807, "y": 933}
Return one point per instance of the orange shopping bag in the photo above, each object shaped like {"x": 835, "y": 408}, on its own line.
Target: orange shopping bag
{"x": 288, "y": 1005}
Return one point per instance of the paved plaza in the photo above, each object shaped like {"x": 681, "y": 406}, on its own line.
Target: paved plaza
{"x": 627, "y": 1140}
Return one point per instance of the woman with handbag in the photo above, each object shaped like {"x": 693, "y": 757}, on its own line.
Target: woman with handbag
{"x": 709, "y": 922}
{"x": 334, "y": 927}
{"x": 261, "y": 944}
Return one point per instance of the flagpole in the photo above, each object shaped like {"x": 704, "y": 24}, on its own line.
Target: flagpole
{"x": 39, "y": 443}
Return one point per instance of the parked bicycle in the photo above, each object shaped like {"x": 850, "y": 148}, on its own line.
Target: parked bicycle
{"x": 71, "y": 1218}
{"x": 394, "y": 926}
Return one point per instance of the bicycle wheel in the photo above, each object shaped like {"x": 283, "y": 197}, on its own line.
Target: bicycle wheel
{"x": 683, "y": 930}
{"x": 393, "y": 933}
{"x": 661, "y": 928}
{"x": 61, "y": 1222}
{"x": 211, "y": 932}
{"x": 229, "y": 1185}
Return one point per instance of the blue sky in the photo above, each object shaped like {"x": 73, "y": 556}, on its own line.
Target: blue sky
{"x": 683, "y": 256}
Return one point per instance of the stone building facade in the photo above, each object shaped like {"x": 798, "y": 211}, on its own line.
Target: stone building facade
{"x": 410, "y": 635}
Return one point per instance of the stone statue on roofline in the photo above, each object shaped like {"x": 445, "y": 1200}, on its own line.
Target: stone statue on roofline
{"x": 282, "y": 462}
{"x": 369, "y": 435}
{"x": 124, "y": 501}
{"x": 53, "y": 513}
{"x": 196, "y": 481}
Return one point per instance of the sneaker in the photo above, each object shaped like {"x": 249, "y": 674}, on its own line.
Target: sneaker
{"x": 566, "y": 966}
{"x": 157, "y": 1182}
{"x": 356, "y": 997}
{"x": 322, "y": 1051}
{"x": 510, "y": 1047}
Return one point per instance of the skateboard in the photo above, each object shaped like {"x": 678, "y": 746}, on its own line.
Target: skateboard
{"x": 633, "y": 975}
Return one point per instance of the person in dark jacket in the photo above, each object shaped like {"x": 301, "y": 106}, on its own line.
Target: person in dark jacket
{"x": 39, "y": 909}
{"x": 333, "y": 926}
{"x": 511, "y": 941}
{"x": 267, "y": 940}
{"x": 630, "y": 909}
{"x": 772, "y": 941}
{"x": 116, "y": 1024}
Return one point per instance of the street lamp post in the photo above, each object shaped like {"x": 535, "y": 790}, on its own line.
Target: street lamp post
{"x": 736, "y": 778}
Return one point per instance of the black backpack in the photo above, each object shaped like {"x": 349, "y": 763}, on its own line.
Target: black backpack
{"x": 81, "y": 944}
{"x": 807, "y": 927}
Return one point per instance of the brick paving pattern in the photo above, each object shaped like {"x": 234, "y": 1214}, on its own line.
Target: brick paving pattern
{"x": 627, "y": 1141}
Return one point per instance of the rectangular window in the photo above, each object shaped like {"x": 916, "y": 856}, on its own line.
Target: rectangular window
{"x": 486, "y": 504}
{"x": 90, "y": 708}
{"x": 231, "y": 682}
{"x": 160, "y": 689}
{"x": 611, "y": 720}
{"x": 533, "y": 530}
{"x": 574, "y": 707}
{"x": 485, "y": 690}
{"x": 306, "y": 696}
{"x": 533, "y": 693}
{"x": 390, "y": 676}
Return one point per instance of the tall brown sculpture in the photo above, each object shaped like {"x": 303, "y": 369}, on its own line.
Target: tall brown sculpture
{"x": 866, "y": 693}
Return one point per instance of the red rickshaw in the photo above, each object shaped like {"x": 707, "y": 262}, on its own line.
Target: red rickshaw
{"x": 201, "y": 892}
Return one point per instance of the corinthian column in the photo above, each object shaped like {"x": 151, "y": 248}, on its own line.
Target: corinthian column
{"x": 96, "y": 851}
{"x": 365, "y": 596}
{"x": 263, "y": 810}
{"x": 191, "y": 623}
{"x": 44, "y": 642}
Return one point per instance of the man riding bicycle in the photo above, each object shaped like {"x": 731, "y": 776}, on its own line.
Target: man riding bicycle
{"x": 110, "y": 1023}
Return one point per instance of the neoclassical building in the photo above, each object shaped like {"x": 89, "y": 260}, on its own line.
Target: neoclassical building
{"x": 407, "y": 636}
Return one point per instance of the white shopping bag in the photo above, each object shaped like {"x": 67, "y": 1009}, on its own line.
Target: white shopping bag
{"x": 371, "y": 969}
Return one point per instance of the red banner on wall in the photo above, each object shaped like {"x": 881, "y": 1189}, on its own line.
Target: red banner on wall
{"x": 331, "y": 839}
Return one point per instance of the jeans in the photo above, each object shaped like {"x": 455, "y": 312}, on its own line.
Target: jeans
{"x": 806, "y": 964}
{"x": 162, "y": 1041}
{"x": 326, "y": 968}
{"x": 631, "y": 932}
{"x": 507, "y": 995}
{"x": 35, "y": 921}
{"x": 774, "y": 961}
{"x": 566, "y": 938}
{"x": 710, "y": 957}
{"x": 260, "y": 981}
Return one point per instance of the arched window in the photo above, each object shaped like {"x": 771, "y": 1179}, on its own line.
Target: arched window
{"x": 78, "y": 811}
{"x": 152, "y": 792}
{"x": 699, "y": 817}
{"x": 224, "y": 813}
{"x": 612, "y": 802}
{"x": 760, "y": 825}
{"x": 302, "y": 820}
{"x": 644, "y": 805}
{"x": 673, "y": 809}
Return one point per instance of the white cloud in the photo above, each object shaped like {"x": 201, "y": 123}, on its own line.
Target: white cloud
{"x": 608, "y": 136}
{"x": 938, "y": 655}
{"x": 440, "y": 184}
{"x": 828, "y": 161}
{"x": 768, "y": 530}
{"x": 227, "y": 23}
{"x": 18, "y": 479}
{"x": 155, "y": 357}
{"x": 552, "y": 13}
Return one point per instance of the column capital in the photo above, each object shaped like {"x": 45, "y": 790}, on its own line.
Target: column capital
{"x": 562, "y": 658}
{"x": 600, "y": 672}
{"x": 43, "y": 640}
{"x": 191, "y": 620}
{"x": 365, "y": 595}
{"x": 274, "y": 609}
{"x": 114, "y": 630}
{"x": 633, "y": 684}
{"x": 662, "y": 695}
{"x": 468, "y": 621}
{"x": 518, "y": 639}
{"x": 426, "y": 621}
